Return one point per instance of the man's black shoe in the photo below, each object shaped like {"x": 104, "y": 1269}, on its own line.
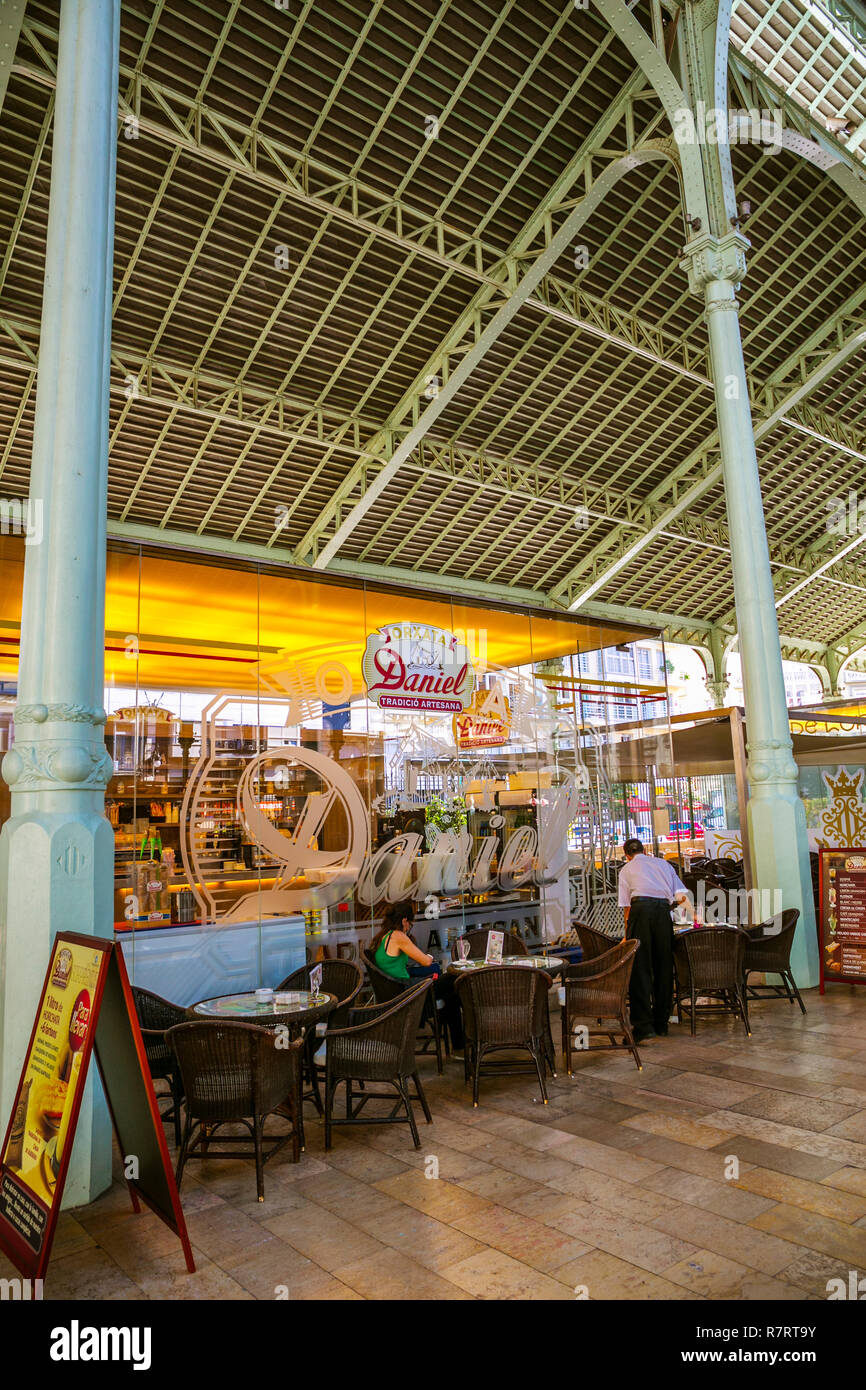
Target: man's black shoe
{"x": 662, "y": 1032}
{"x": 644, "y": 1037}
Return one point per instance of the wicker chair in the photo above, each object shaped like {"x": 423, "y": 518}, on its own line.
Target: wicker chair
{"x": 726, "y": 867}
{"x": 504, "y": 1010}
{"x": 769, "y": 950}
{"x": 236, "y": 1074}
{"x": 594, "y": 943}
{"x": 377, "y": 1046}
{"x": 341, "y": 977}
{"x": 155, "y": 1015}
{"x": 386, "y": 989}
{"x": 512, "y": 944}
{"x": 727, "y": 874}
{"x": 709, "y": 962}
{"x": 597, "y": 989}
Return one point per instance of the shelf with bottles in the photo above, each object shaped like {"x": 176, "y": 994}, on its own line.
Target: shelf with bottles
{"x": 215, "y": 826}
{"x": 143, "y": 839}
{"x": 275, "y": 807}
{"x": 237, "y": 883}
{"x": 126, "y": 803}
{"x": 269, "y": 805}
{"x": 125, "y": 835}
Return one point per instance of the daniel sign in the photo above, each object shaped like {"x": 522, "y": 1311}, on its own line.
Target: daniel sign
{"x": 487, "y": 723}
{"x": 413, "y": 666}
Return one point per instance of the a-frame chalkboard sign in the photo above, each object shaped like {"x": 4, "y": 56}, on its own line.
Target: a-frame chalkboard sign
{"x": 86, "y": 1006}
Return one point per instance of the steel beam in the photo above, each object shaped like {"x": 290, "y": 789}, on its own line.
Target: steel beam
{"x": 193, "y": 127}
{"x": 713, "y": 472}
{"x": 494, "y": 330}
{"x": 188, "y": 543}
{"x": 467, "y": 329}
{"x": 11, "y": 20}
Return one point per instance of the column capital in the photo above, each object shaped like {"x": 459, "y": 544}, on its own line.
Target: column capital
{"x": 707, "y": 258}
{"x": 59, "y": 713}
{"x": 53, "y": 765}
{"x": 48, "y": 755}
{"x": 833, "y": 662}
{"x": 771, "y": 761}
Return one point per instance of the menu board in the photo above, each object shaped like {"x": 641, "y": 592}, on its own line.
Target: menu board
{"x": 86, "y": 1006}
{"x": 493, "y": 954}
{"x": 50, "y": 1090}
{"x": 843, "y": 916}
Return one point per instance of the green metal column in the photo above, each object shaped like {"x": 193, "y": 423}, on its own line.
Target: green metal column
{"x": 776, "y": 817}
{"x": 833, "y": 662}
{"x": 717, "y": 685}
{"x": 57, "y": 850}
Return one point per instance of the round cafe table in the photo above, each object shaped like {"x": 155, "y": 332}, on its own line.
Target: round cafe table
{"x": 551, "y": 965}
{"x": 301, "y": 1009}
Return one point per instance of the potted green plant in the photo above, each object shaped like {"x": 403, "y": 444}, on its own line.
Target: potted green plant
{"x": 443, "y": 814}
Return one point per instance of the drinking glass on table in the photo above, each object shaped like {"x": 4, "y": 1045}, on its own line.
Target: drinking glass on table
{"x": 462, "y": 948}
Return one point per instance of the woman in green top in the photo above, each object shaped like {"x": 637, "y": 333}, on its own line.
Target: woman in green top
{"x": 396, "y": 954}
{"x": 393, "y": 949}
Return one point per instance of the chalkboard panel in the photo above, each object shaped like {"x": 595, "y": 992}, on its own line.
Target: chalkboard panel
{"x": 128, "y": 1087}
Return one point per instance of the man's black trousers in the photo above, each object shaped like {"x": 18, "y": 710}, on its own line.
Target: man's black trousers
{"x": 651, "y": 991}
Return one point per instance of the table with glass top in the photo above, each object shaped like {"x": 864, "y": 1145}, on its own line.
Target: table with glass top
{"x": 296, "y": 1009}
{"x": 683, "y": 928}
{"x": 551, "y": 965}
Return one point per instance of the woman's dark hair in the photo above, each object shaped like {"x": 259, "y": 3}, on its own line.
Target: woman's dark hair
{"x": 633, "y": 847}
{"x": 392, "y": 920}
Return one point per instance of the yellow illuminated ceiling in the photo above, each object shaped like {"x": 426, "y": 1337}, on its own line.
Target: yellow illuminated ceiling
{"x": 189, "y": 625}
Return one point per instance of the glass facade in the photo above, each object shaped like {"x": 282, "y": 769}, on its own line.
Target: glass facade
{"x": 291, "y": 753}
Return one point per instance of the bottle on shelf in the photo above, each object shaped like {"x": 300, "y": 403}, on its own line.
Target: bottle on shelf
{"x": 151, "y": 844}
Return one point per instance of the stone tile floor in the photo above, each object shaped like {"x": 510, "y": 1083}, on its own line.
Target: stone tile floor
{"x": 728, "y": 1168}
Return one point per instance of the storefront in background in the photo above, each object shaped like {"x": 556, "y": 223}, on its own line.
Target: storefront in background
{"x": 292, "y": 752}
{"x": 701, "y": 795}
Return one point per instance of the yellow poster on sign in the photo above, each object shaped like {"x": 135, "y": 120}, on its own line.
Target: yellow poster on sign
{"x": 486, "y": 723}
{"x": 45, "y": 1102}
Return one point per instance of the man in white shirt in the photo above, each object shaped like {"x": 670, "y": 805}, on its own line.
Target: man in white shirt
{"x": 648, "y": 887}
